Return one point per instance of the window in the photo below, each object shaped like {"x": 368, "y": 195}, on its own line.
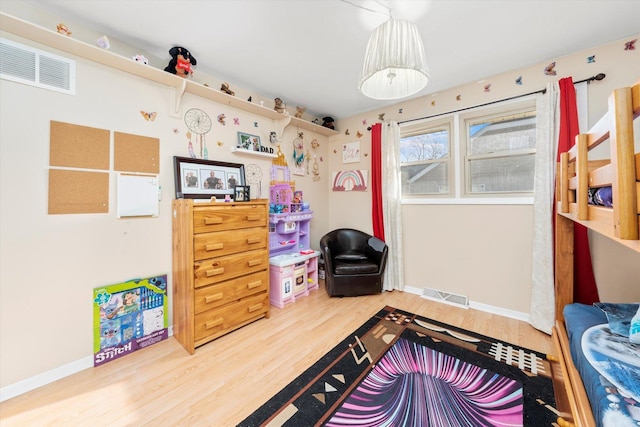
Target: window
{"x": 425, "y": 158}
{"x": 500, "y": 155}
{"x": 485, "y": 152}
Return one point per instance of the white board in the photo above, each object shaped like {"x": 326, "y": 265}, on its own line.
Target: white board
{"x": 137, "y": 195}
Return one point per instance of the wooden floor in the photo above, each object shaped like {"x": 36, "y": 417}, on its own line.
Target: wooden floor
{"x": 227, "y": 379}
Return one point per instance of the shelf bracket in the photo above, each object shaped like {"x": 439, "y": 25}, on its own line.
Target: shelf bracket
{"x": 178, "y": 97}
{"x": 280, "y": 125}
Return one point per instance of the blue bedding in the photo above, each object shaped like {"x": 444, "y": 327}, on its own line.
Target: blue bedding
{"x": 610, "y": 406}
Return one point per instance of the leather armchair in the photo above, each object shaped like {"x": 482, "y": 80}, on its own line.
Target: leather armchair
{"x": 354, "y": 262}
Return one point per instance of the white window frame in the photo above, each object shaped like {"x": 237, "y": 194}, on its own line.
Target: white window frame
{"x": 459, "y": 195}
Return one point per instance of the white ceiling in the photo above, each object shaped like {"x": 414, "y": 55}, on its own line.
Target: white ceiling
{"x": 310, "y": 52}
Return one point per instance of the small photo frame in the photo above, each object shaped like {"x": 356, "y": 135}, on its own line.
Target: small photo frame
{"x": 249, "y": 142}
{"x": 242, "y": 193}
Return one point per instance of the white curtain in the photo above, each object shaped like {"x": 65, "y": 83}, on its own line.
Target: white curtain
{"x": 542, "y": 310}
{"x": 391, "y": 206}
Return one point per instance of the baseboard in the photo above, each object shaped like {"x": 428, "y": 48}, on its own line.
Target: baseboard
{"x": 48, "y": 377}
{"x": 45, "y": 378}
{"x": 477, "y": 306}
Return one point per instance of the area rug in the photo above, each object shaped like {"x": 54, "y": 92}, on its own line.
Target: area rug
{"x": 401, "y": 369}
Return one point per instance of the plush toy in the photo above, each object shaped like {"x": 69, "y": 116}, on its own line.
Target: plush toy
{"x": 225, "y": 88}
{"x": 300, "y": 111}
{"x": 279, "y": 105}
{"x": 328, "y": 122}
{"x": 181, "y": 62}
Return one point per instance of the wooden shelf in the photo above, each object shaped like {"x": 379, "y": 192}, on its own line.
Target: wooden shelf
{"x": 36, "y": 33}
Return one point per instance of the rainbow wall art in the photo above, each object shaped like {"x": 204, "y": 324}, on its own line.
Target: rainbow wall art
{"x": 351, "y": 180}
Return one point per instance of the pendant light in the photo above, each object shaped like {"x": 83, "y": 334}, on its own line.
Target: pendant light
{"x": 394, "y": 65}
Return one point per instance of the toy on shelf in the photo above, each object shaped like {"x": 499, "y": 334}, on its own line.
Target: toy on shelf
{"x": 181, "y": 62}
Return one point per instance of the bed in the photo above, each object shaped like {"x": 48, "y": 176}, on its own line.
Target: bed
{"x": 604, "y": 196}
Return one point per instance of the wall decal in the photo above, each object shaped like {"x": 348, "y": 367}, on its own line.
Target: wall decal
{"x": 487, "y": 87}
{"x": 236, "y": 121}
{"x": 591, "y": 59}
{"x": 351, "y": 152}
{"x": 549, "y": 69}
{"x": 351, "y": 180}
{"x": 358, "y": 134}
{"x": 519, "y": 80}
{"x": 221, "y": 119}
{"x": 630, "y": 45}
{"x": 381, "y": 117}
{"x": 149, "y": 116}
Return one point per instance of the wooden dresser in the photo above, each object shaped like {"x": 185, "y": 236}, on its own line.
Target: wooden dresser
{"x": 220, "y": 268}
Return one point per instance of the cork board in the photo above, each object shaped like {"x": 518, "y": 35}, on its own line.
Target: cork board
{"x": 75, "y": 192}
{"x": 135, "y": 153}
{"x": 78, "y": 146}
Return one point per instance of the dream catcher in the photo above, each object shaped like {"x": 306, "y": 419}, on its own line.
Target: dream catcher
{"x": 254, "y": 178}
{"x": 298, "y": 155}
{"x": 198, "y": 122}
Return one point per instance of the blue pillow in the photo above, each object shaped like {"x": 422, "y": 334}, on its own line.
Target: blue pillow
{"x": 619, "y": 316}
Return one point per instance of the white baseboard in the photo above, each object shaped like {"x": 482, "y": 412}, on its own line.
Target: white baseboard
{"x": 478, "y": 306}
{"x": 45, "y": 378}
{"x": 48, "y": 377}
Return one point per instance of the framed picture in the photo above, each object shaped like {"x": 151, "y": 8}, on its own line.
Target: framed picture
{"x": 203, "y": 179}
{"x": 249, "y": 142}
{"x": 242, "y": 193}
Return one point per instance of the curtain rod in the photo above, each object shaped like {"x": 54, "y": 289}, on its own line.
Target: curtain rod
{"x": 598, "y": 77}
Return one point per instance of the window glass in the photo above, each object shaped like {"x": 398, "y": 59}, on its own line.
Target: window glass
{"x": 424, "y": 157}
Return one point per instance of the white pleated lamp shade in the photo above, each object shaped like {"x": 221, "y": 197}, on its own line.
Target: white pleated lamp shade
{"x": 394, "y": 65}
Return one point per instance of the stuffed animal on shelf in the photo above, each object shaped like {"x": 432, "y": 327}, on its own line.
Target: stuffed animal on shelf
{"x": 300, "y": 111}
{"x": 181, "y": 62}
{"x": 225, "y": 88}
{"x": 328, "y": 122}
{"x": 279, "y": 105}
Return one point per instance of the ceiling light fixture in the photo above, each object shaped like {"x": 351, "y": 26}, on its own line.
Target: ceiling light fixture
{"x": 394, "y": 65}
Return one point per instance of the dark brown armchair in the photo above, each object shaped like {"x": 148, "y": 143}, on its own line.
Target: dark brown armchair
{"x": 354, "y": 262}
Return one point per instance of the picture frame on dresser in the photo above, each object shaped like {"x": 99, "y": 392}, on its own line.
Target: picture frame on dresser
{"x": 204, "y": 179}
{"x": 242, "y": 193}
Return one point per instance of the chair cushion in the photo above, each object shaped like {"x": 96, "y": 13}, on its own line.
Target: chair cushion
{"x": 351, "y": 255}
{"x": 354, "y": 267}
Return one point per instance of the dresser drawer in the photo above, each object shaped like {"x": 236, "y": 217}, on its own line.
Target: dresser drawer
{"x": 215, "y": 322}
{"x": 228, "y": 217}
{"x": 223, "y": 268}
{"x": 209, "y": 245}
{"x": 212, "y": 296}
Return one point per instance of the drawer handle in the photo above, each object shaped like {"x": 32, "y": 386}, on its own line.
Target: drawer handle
{"x": 214, "y": 272}
{"x": 212, "y": 220}
{"x": 253, "y": 217}
{"x": 215, "y": 297}
{"x": 213, "y": 246}
{"x": 255, "y": 307}
{"x": 253, "y": 285}
{"x": 214, "y": 323}
{"x": 254, "y": 262}
{"x": 254, "y": 240}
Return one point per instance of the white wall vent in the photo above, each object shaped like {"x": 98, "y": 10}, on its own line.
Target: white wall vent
{"x": 24, "y": 64}
{"x": 446, "y": 297}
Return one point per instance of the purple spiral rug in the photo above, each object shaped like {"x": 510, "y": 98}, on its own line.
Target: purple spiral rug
{"x": 401, "y": 369}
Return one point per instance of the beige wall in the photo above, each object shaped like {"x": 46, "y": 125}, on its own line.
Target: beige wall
{"x": 484, "y": 252}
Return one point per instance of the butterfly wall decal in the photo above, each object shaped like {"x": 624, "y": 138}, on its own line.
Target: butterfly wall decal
{"x": 236, "y": 121}
{"x": 630, "y": 45}
{"x": 399, "y": 110}
{"x": 487, "y": 87}
{"x": 149, "y": 116}
{"x": 458, "y": 97}
{"x": 433, "y": 103}
{"x": 519, "y": 80}
{"x": 381, "y": 117}
{"x": 549, "y": 69}
{"x": 358, "y": 134}
{"x": 221, "y": 119}
{"x": 346, "y": 132}
{"x": 591, "y": 59}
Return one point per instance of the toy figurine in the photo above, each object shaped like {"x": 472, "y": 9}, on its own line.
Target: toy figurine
{"x": 181, "y": 62}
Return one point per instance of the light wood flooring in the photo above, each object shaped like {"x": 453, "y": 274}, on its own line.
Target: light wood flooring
{"x": 227, "y": 379}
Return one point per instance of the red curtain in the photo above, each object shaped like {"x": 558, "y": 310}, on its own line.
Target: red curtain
{"x": 584, "y": 288}
{"x": 376, "y": 181}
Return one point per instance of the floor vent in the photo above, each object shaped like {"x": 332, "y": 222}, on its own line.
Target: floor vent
{"x": 24, "y": 64}
{"x": 446, "y": 297}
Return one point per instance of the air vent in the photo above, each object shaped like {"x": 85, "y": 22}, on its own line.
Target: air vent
{"x": 24, "y": 64}
{"x": 446, "y": 297}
